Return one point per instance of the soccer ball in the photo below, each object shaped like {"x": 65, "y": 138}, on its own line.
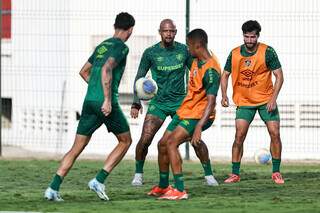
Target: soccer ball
{"x": 146, "y": 88}
{"x": 262, "y": 156}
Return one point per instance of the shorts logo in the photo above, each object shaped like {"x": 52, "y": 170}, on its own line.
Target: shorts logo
{"x": 185, "y": 122}
{"x": 179, "y": 57}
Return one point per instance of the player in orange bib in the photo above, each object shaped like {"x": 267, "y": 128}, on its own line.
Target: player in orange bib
{"x": 195, "y": 114}
{"x": 251, "y": 66}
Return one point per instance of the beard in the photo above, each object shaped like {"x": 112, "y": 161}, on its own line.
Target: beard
{"x": 250, "y": 46}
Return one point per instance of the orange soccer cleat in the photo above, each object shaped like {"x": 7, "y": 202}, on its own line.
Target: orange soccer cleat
{"x": 157, "y": 191}
{"x": 233, "y": 178}
{"x": 277, "y": 178}
{"x": 174, "y": 194}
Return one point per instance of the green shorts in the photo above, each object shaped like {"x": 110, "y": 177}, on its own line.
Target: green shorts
{"x": 187, "y": 124}
{"x": 161, "y": 111}
{"x": 248, "y": 112}
{"x": 92, "y": 118}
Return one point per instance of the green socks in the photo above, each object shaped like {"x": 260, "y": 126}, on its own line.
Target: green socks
{"x": 139, "y": 166}
{"x": 276, "y": 165}
{"x": 56, "y": 182}
{"x": 236, "y": 168}
{"x": 207, "y": 168}
{"x": 179, "y": 184}
{"x": 164, "y": 180}
{"x": 102, "y": 175}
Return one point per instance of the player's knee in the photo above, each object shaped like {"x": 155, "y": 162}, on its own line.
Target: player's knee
{"x": 238, "y": 142}
{"x": 145, "y": 141}
{"x": 240, "y": 136}
{"x": 171, "y": 143}
{"x": 162, "y": 145}
{"x": 275, "y": 134}
{"x": 127, "y": 142}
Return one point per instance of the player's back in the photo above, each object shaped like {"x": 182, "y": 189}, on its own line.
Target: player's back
{"x": 112, "y": 47}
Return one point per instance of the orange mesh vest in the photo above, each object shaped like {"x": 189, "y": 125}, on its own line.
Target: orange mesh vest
{"x": 195, "y": 102}
{"x": 251, "y": 78}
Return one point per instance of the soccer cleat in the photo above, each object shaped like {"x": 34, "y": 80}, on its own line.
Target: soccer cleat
{"x": 233, "y": 178}
{"x": 174, "y": 194}
{"x": 98, "y": 188}
{"x": 52, "y": 195}
{"x": 137, "y": 179}
{"x": 277, "y": 178}
{"x": 211, "y": 181}
{"x": 157, "y": 191}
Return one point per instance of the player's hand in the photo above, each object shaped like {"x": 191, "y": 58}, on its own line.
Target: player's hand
{"x": 272, "y": 104}
{"x": 196, "y": 137}
{"x": 106, "y": 107}
{"x": 135, "y": 112}
{"x": 225, "y": 101}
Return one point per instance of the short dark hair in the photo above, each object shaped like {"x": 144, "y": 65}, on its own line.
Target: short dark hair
{"x": 124, "y": 21}
{"x": 250, "y": 26}
{"x": 198, "y": 35}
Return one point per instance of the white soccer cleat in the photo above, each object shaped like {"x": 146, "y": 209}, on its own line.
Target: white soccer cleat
{"x": 52, "y": 195}
{"x": 98, "y": 188}
{"x": 211, "y": 181}
{"x": 137, "y": 179}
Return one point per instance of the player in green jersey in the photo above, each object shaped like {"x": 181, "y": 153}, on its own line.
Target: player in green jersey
{"x": 102, "y": 72}
{"x": 168, "y": 61}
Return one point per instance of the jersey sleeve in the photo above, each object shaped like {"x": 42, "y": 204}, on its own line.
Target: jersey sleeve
{"x": 91, "y": 58}
{"x": 227, "y": 66}
{"x": 272, "y": 60}
{"x": 144, "y": 66}
{"x": 211, "y": 81}
{"x": 119, "y": 52}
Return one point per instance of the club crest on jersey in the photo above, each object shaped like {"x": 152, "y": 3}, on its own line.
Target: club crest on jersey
{"x": 195, "y": 72}
{"x": 179, "y": 57}
{"x": 247, "y": 62}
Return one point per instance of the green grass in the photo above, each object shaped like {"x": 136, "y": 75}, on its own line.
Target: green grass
{"x": 22, "y": 183}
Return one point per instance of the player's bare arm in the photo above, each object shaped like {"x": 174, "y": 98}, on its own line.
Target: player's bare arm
{"x": 224, "y": 85}
{"x": 196, "y": 137}
{"x": 106, "y": 80}
{"x": 85, "y": 71}
{"x": 272, "y": 104}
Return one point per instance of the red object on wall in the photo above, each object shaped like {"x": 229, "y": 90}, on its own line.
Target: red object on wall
{"x": 6, "y": 19}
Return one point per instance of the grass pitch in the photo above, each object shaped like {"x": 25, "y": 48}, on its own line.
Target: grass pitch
{"x": 22, "y": 183}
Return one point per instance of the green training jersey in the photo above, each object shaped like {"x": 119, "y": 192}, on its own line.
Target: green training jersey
{"x": 168, "y": 69}
{"x": 117, "y": 49}
{"x": 272, "y": 60}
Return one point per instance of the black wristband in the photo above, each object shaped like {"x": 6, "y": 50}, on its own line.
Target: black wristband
{"x": 136, "y": 106}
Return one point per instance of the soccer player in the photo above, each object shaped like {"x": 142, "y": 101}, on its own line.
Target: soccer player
{"x": 251, "y": 66}
{"x": 167, "y": 61}
{"x": 195, "y": 114}
{"x": 102, "y": 72}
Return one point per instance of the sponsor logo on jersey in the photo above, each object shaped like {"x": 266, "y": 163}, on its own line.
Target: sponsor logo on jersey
{"x": 170, "y": 68}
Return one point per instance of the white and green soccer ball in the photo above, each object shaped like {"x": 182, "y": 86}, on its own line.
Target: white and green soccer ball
{"x": 146, "y": 88}
{"x": 262, "y": 156}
